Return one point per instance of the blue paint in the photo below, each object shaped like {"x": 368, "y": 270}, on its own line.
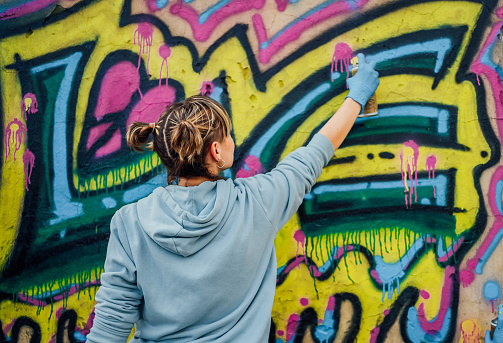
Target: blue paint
{"x": 109, "y": 202}
{"x": 391, "y": 273}
{"x": 216, "y": 94}
{"x": 326, "y": 332}
{"x": 498, "y": 194}
{"x": 62, "y": 234}
{"x": 302, "y": 17}
{"x": 206, "y": 14}
{"x": 187, "y": 1}
{"x": 416, "y": 333}
{"x": 144, "y": 189}
{"x": 161, "y": 3}
{"x": 79, "y": 337}
{"x": 440, "y": 46}
{"x": 408, "y": 111}
{"x": 64, "y": 208}
{"x": 298, "y": 109}
{"x": 440, "y": 250}
{"x": 489, "y": 251}
{"x": 335, "y": 75}
{"x": 440, "y": 183}
{"x": 491, "y": 290}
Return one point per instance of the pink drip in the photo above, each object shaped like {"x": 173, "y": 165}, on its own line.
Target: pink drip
{"x": 492, "y": 304}
{"x": 431, "y": 161}
{"x": 374, "y": 333}
{"x": 17, "y": 136}
{"x": 385, "y": 312}
{"x": 280, "y": 332}
{"x": 282, "y": 4}
{"x": 29, "y": 105}
{"x": 342, "y": 56}
{"x": 412, "y": 173}
{"x": 164, "y": 52}
{"x": 291, "y": 327}
{"x": 144, "y": 33}
{"x": 28, "y": 162}
{"x": 425, "y": 294}
{"x": 300, "y": 237}
{"x": 304, "y": 301}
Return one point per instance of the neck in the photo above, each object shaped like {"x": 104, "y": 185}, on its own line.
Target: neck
{"x": 192, "y": 181}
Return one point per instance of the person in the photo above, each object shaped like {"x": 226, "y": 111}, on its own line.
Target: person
{"x": 195, "y": 261}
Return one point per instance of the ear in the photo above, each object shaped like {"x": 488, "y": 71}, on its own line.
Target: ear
{"x": 215, "y": 151}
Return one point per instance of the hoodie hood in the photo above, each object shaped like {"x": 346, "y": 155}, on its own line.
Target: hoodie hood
{"x": 184, "y": 220}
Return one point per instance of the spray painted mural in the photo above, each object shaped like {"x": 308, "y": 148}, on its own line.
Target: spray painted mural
{"x": 397, "y": 241}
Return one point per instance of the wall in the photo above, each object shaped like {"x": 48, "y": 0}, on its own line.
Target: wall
{"x": 398, "y": 241}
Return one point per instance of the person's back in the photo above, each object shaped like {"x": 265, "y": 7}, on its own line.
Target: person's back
{"x": 195, "y": 261}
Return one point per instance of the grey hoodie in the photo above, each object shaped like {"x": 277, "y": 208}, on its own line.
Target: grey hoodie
{"x": 197, "y": 264}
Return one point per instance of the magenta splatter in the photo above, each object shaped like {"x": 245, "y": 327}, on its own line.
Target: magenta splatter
{"x": 374, "y": 333}
{"x": 300, "y": 237}
{"x": 304, "y": 301}
{"x": 466, "y": 276}
{"x": 424, "y": 294}
{"x": 15, "y": 132}
{"x": 291, "y": 327}
{"x": 280, "y": 332}
{"x": 29, "y": 105}
{"x": 408, "y": 168}
{"x": 144, "y": 33}
{"x": 499, "y": 12}
{"x": 164, "y": 52}
{"x": 477, "y": 69}
{"x": 431, "y": 162}
{"x": 375, "y": 275}
{"x": 253, "y": 165}
{"x": 117, "y": 87}
{"x": 331, "y": 304}
{"x": 385, "y": 312}
{"x": 28, "y": 162}
{"x": 207, "y": 88}
{"x": 282, "y": 4}
{"x": 341, "y": 58}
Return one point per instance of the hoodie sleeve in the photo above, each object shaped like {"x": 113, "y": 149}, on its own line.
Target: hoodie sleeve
{"x": 281, "y": 191}
{"x": 118, "y": 297}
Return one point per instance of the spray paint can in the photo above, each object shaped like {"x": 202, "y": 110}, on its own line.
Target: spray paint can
{"x": 370, "y": 108}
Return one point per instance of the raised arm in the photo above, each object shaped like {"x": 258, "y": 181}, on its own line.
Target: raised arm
{"x": 361, "y": 87}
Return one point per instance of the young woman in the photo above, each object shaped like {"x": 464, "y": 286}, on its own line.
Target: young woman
{"x": 195, "y": 261}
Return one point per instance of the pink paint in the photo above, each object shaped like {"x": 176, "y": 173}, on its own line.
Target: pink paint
{"x": 117, "y": 87}
{"x": 89, "y": 324}
{"x": 499, "y": 12}
{"x": 452, "y": 250}
{"x": 331, "y": 304}
{"x": 282, "y": 4}
{"x": 294, "y": 31}
{"x": 150, "y": 108}
{"x": 320, "y": 321}
{"x": 341, "y": 59}
{"x": 28, "y": 162}
{"x": 145, "y": 34}
{"x": 492, "y": 304}
{"x": 203, "y": 31}
{"x": 95, "y": 133}
{"x": 254, "y": 167}
{"x": 472, "y": 263}
{"x": 373, "y": 334}
{"x": 375, "y": 275}
{"x": 8, "y": 327}
{"x": 207, "y": 88}
{"x": 111, "y": 146}
{"x": 15, "y": 133}
{"x": 466, "y": 276}
{"x": 300, "y": 237}
{"x": 304, "y": 301}
{"x": 424, "y": 294}
{"x": 25, "y": 9}
{"x": 280, "y": 332}
{"x": 385, "y": 312}
{"x": 164, "y": 52}
{"x": 29, "y": 105}
{"x": 409, "y": 171}
{"x": 436, "y": 325}
{"x": 431, "y": 161}
{"x": 291, "y": 327}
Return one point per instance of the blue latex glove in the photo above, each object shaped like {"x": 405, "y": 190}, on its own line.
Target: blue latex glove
{"x": 364, "y": 83}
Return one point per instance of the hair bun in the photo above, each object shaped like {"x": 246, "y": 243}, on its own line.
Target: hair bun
{"x": 137, "y": 135}
{"x": 186, "y": 140}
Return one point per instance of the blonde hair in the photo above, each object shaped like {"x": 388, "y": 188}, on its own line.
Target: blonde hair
{"x": 182, "y": 135}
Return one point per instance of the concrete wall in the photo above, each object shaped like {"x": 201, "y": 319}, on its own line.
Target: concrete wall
{"x": 399, "y": 240}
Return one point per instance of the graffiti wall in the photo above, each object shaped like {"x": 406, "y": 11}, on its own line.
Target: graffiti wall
{"x": 400, "y": 239}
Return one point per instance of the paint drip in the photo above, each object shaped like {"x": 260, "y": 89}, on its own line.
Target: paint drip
{"x": 144, "y": 33}
{"x": 431, "y": 161}
{"x": 29, "y": 105}
{"x": 470, "y": 331}
{"x": 164, "y": 52}
{"x": 300, "y": 237}
{"x": 341, "y": 59}
{"x": 291, "y": 327}
{"x": 28, "y": 162}
{"x": 15, "y": 133}
{"x": 408, "y": 168}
